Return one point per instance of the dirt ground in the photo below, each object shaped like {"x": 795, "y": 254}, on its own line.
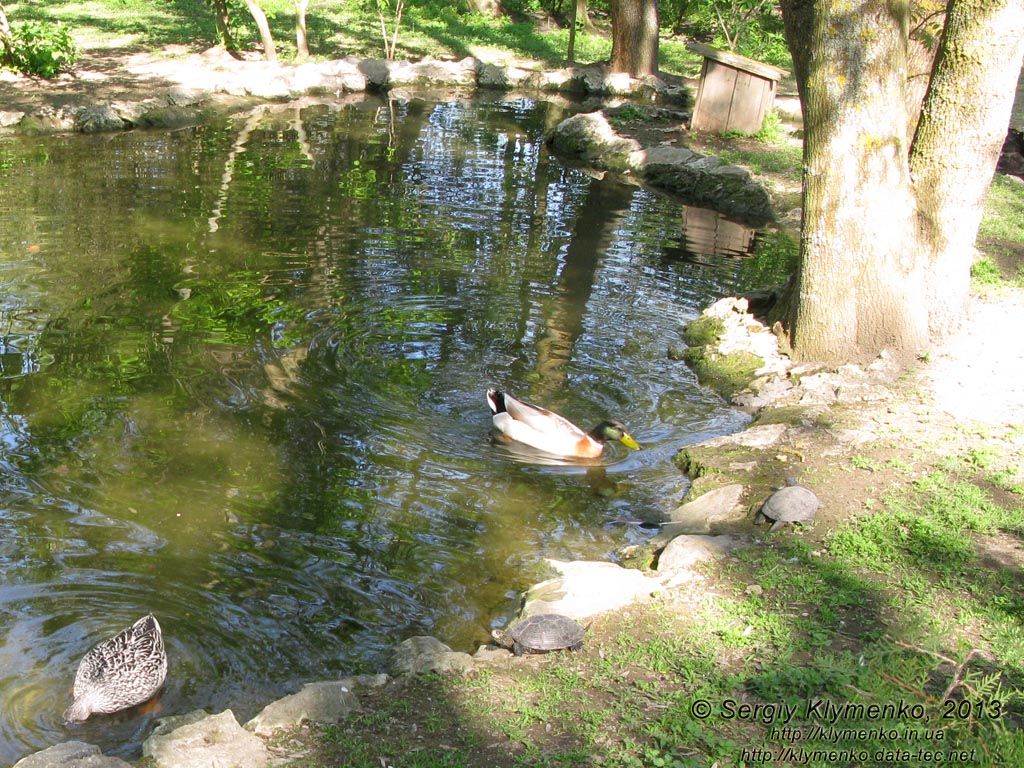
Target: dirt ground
{"x": 109, "y": 75}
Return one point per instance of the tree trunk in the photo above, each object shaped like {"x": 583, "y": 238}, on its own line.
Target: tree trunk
{"x": 269, "y": 50}
{"x": 301, "y": 42}
{"x": 859, "y": 289}
{"x": 962, "y": 127}
{"x": 635, "y": 37}
{"x": 489, "y": 8}
{"x": 6, "y": 42}
{"x": 873, "y": 266}
{"x": 583, "y": 18}
{"x": 220, "y": 16}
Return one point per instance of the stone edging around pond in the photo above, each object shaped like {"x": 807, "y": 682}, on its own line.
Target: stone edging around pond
{"x": 703, "y": 180}
{"x": 792, "y": 405}
{"x": 227, "y": 84}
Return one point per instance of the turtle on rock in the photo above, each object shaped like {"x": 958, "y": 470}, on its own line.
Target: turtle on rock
{"x": 540, "y": 634}
{"x": 792, "y": 504}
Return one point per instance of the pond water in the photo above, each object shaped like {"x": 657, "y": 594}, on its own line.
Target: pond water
{"x": 242, "y": 376}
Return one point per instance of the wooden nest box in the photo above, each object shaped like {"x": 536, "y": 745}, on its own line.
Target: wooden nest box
{"x": 735, "y": 92}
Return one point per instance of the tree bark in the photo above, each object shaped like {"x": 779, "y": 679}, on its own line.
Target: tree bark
{"x": 583, "y": 18}
{"x": 301, "y": 41}
{"x": 884, "y": 251}
{"x": 220, "y": 15}
{"x": 962, "y": 127}
{"x": 635, "y": 37}
{"x": 6, "y": 41}
{"x": 490, "y": 8}
{"x": 859, "y": 288}
{"x": 269, "y": 50}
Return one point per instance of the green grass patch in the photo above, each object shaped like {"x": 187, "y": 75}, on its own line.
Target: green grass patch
{"x": 335, "y": 30}
{"x": 1001, "y": 237}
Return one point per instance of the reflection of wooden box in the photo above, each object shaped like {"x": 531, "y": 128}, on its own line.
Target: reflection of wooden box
{"x": 708, "y": 233}
{"x": 735, "y": 92}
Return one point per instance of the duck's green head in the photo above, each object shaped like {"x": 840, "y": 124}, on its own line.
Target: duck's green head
{"x": 614, "y": 430}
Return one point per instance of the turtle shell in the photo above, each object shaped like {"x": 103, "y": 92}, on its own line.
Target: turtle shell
{"x": 792, "y": 504}
{"x": 545, "y": 632}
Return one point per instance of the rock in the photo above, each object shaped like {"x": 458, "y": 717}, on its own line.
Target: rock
{"x": 652, "y": 157}
{"x": 597, "y": 79}
{"x": 589, "y": 138}
{"x": 376, "y": 71}
{"x": 427, "y": 654}
{"x": 182, "y": 96}
{"x": 764, "y": 393}
{"x": 728, "y": 347}
{"x": 760, "y": 436}
{"x": 587, "y": 588}
{"x": 10, "y": 117}
{"x": 716, "y": 510}
{"x": 99, "y": 118}
{"x": 71, "y": 754}
{"x": 505, "y": 78}
{"x": 212, "y": 741}
{"x": 45, "y": 122}
{"x": 556, "y": 80}
{"x": 170, "y": 116}
{"x": 325, "y": 702}
{"x": 490, "y": 653}
{"x": 340, "y": 77}
{"x": 677, "y": 559}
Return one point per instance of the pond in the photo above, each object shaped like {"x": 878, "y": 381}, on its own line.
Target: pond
{"x": 242, "y": 385}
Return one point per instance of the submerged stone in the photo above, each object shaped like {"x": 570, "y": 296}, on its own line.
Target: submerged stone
{"x": 71, "y": 754}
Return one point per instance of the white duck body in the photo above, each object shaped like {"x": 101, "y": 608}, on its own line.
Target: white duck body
{"x": 549, "y": 432}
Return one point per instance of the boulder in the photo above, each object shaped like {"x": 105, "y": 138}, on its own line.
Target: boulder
{"x": 206, "y": 742}
{"x": 677, "y": 559}
{"x": 717, "y": 510}
{"x": 325, "y": 702}
{"x": 587, "y": 588}
{"x": 427, "y": 654}
{"x": 589, "y": 138}
{"x": 499, "y": 77}
{"x": 99, "y": 118}
{"x": 71, "y": 754}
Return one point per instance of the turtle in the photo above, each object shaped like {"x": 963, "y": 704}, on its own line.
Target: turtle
{"x": 540, "y": 634}
{"x": 791, "y": 504}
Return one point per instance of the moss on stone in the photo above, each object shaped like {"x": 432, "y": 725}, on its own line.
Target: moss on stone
{"x": 703, "y": 331}
{"x": 726, "y": 374}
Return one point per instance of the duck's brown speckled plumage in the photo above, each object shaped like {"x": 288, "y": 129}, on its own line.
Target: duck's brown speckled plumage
{"x": 121, "y": 672}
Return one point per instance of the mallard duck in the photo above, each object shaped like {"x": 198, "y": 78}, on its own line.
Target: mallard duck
{"x": 546, "y": 431}
{"x": 121, "y": 672}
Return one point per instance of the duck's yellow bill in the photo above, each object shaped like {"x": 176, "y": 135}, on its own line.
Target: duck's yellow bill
{"x": 629, "y": 442}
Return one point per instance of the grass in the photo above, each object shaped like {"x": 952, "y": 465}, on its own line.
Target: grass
{"x": 1000, "y": 237}
{"x": 891, "y": 640}
{"x": 437, "y": 29}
